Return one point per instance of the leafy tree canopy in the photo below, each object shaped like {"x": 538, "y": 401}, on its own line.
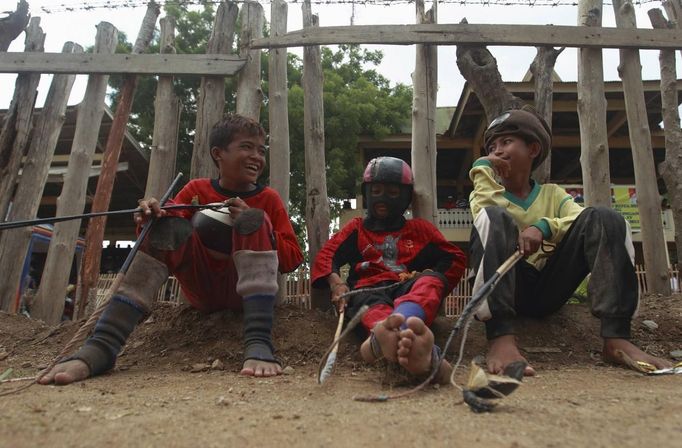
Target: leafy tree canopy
{"x": 357, "y": 101}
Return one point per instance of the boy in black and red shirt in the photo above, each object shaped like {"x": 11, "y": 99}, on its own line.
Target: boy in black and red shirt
{"x": 383, "y": 249}
{"x": 224, "y": 259}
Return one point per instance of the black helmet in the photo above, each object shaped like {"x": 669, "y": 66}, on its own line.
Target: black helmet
{"x": 524, "y": 123}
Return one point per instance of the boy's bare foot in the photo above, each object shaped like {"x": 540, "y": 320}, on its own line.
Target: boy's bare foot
{"x": 387, "y": 334}
{"x": 415, "y": 350}
{"x": 502, "y": 351}
{"x": 256, "y": 367}
{"x": 613, "y": 345}
{"x": 66, "y": 373}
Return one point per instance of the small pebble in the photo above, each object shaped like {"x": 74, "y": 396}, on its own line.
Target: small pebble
{"x": 3, "y": 355}
{"x": 222, "y": 401}
{"x": 676, "y": 354}
{"x": 217, "y": 365}
{"x": 288, "y": 370}
{"x": 650, "y": 324}
{"x": 26, "y": 365}
{"x": 201, "y": 367}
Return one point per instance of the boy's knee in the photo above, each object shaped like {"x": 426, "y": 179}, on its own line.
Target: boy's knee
{"x": 253, "y": 231}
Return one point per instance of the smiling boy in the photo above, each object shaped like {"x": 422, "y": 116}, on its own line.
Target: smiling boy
{"x": 382, "y": 250}
{"x": 225, "y": 259}
{"x": 561, "y": 242}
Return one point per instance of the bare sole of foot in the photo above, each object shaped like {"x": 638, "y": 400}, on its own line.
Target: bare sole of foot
{"x": 66, "y": 373}
{"x": 415, "y": 351}
{"x": 614, "y": 345}
{"x": 387, "y": 334}
{"x": 502, "y": 351}
{"x": 258, "y": 368}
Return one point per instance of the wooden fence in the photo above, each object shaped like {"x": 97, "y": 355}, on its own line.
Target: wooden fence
{"x": 298, "y": 289}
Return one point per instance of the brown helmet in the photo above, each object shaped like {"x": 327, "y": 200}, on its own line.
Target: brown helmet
{"x": 524, "y": 123}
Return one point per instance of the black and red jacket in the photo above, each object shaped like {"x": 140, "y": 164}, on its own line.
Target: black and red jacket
{"x": 376, "y": 257}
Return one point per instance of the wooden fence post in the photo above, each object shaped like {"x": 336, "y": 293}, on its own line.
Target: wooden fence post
{"x": 278, "y": 109}
{"x": 542, "y": 69}
{"x": 166, "y": 122}
{"x": 648, "y": 199}
{"x": 49, "y": 301}
{"x": 249, "y": 92}
{"x": 211, "y": 102}
{"x": 594, "y": 141}
{"x": 424, "y": 151}
{"x": 14, "y": 243}
{"x": 317, "y": 201}
{"x": 671, "y": 167}
{"x": 19, "y": 121}
{"x": 94, "y": 234}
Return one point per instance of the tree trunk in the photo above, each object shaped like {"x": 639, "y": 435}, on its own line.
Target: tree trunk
{"x": 278, "y": 109}
{"x": 671, "y": 167}
{"x": 49, "y": 304}
{"x": 211, "y": 102}
{"x": 594, "y": 141}
{"x": 424, "y": 151}
{"x": 105, "y": 183}
{"x": 14, "y": 243}
{"x": 12, "y": 25}
{"x": 648, "y": 199}
{"x": 479, "y": 68}
{"x": 317, "y": 201}
{"x": 19, "y": 121}
{"x": 166, "y": 122}
{"x": 249, "y": 92}
{"x": 542, "y": 69}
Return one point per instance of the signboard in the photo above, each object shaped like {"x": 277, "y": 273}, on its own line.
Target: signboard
{"x": 623, "y": 199}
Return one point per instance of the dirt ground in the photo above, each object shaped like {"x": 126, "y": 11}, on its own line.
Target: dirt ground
{"x": 163, "y": 392}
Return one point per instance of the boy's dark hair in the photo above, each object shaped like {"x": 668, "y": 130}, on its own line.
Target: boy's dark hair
{"x": 223, "y": 132}
{"x": 524, "y": 123}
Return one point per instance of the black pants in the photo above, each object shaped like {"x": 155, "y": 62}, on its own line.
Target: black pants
{"x": 598, "y": 242}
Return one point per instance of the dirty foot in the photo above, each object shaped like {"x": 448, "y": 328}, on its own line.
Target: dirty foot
{"x": 256, "y": 367}
{"x": 66, "y": 373}
{"x": 502, "y": 351}
{"x": 415, "y": 351}
{"x": 612, "y": 347}
{"x": 387, "y": 334}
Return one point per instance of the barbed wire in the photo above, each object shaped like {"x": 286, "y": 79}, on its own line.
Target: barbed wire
{"x": 120, "y": 4}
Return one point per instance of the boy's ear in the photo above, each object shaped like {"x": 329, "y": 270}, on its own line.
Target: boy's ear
{"x": 215, "y": 153}
{"x": 535, "y": 150}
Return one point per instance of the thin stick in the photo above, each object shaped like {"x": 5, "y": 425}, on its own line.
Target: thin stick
{"x": 85, "y": 329}
{"x": 326, "y": 371}
{"x": 468, "y": 313}
{"x": 34, "y": 222}
{"x": 353, "y": 322}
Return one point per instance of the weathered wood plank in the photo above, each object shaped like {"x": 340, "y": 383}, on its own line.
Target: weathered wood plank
{"x": 425, "y": 82}
{"x": 648, "y": 199}
{"x": 317, "y": 200}
{"x": 476, "y": 34}
{"x": 49, "y": 302}
{"x": 249, "y": 92}
{"x": 592, "y": 106}
{"x": 133, "y": 64}
{"x": 211, "y": 103}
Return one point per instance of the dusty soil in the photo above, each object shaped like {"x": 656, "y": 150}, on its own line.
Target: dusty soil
{"x": 153, "y": 398}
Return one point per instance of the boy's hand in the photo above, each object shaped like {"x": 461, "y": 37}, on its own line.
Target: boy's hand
{"x": 501, "y": 166}
{"x": 236, "y": 206}
{"x": 530, "y": 241}
{"x": 149, "y": 207}
{"x": 338, "y": 289}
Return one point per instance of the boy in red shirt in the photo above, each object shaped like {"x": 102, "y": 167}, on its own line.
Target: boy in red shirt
{"x": 382, "y": 249}
{"x": 222, "y": 260}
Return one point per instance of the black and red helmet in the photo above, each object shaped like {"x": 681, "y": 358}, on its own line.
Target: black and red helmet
{"x": 390, "y": 170}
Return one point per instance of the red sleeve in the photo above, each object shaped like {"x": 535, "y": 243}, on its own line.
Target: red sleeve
{"x": 456, "y": 261}
{"x": 339, "y": 250}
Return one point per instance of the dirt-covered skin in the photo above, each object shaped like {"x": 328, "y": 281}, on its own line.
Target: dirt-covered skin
{"x": 153, "y": 399}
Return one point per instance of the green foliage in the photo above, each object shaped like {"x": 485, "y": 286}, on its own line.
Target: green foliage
{"x": 358, "y": 101}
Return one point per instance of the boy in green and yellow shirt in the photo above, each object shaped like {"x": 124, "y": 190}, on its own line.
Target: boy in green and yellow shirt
{"x": 561, "y": 242}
